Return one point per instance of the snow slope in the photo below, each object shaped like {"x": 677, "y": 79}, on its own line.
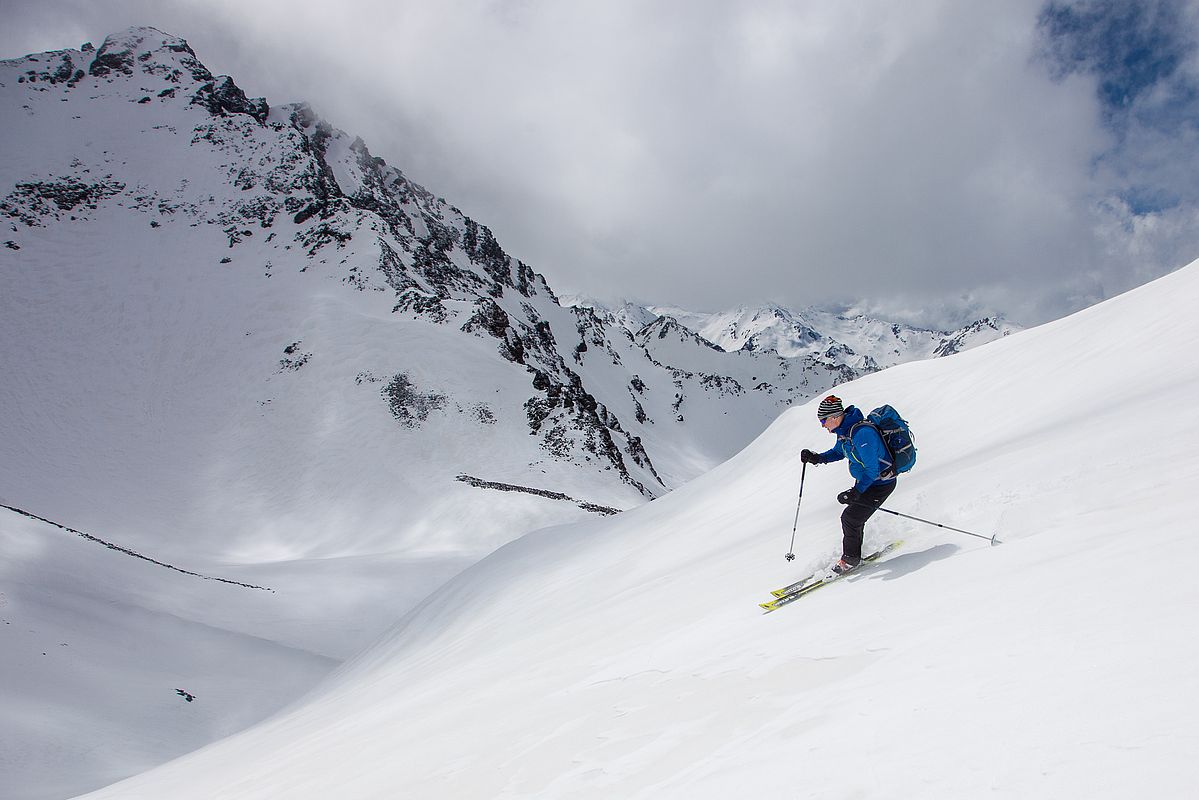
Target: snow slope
{"x": 626, "y": 657}
{"x": 95, "y": 645}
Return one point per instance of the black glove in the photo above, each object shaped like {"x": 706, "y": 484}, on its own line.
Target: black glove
{"x": 848, "y": 496}
{"x": 808, "y": 457}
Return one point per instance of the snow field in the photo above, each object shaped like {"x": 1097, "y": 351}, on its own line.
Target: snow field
{"x": 627, "y": 657}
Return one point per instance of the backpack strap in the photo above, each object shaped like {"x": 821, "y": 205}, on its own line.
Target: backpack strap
{"x": 883, "y": 474}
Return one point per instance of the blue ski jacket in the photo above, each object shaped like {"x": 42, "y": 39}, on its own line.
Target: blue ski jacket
{"x": 868, "y": 457}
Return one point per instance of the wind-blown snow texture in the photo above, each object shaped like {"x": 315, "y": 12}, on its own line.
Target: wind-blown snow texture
{"x": 627, "y": 657}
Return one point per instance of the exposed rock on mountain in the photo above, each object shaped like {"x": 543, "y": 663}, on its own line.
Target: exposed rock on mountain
{"x": 269, "y": 221}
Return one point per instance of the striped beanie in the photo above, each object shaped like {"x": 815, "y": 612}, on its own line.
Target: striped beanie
{"x": 830, "y": 407}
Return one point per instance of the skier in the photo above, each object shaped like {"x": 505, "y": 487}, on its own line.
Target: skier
{"x": 869, "y": 465}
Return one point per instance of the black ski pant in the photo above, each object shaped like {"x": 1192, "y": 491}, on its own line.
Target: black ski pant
{"x": 853, "y": 519}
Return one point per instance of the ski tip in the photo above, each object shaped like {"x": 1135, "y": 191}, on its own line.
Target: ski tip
{"x": 995, "y": 541}
{"x": 767, "y": 606}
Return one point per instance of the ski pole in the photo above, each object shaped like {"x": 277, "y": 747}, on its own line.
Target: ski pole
{"x": 992, "y": 539}
{"x": 802, "y": 473}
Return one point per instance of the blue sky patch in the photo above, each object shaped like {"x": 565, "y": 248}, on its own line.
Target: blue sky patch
{"x": 1137, "y": 53}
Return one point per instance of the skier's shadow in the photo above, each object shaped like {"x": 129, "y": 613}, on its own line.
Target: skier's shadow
{"x": 907, "y": 563}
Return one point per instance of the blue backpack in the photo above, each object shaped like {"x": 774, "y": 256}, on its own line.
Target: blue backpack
{"x": 896, "y": 436}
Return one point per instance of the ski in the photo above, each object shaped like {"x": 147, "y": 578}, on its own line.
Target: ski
{"x": 795, "y": 587}
{"x": 790, "y": 594}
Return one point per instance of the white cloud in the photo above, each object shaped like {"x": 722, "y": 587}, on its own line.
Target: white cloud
{"x": 710, "y": 153}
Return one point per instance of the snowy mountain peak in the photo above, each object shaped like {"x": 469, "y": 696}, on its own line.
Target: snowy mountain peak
{"x": 969, "y": 335}
{"x": 148, "y": 50}
{"x": 669, "y": 327}
{"x": 770, "y": 327}
{"x": 144, "y": 64}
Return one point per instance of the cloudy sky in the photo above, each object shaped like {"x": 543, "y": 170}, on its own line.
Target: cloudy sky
{"x": 1011, "y": 155}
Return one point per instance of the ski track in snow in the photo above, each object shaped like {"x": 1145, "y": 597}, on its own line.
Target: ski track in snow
{"x": 131, "y": 553}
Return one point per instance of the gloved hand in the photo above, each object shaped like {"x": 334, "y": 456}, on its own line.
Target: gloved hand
{"x": 848, "y": 496}
{"x": 808, "y": 457}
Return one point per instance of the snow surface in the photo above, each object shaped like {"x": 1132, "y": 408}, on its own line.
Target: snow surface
{"x": 626, "y": 657}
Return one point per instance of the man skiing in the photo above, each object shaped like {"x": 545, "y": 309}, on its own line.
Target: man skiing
{"x": 869, "y": 465}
